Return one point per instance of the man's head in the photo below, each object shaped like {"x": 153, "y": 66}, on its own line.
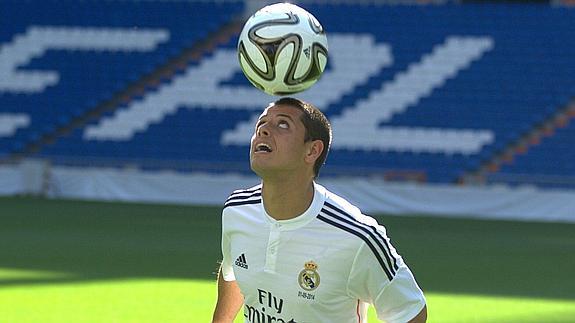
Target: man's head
{"x": 297, "y": 130}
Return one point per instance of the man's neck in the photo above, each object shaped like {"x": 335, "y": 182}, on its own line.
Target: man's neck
{"x": 284, "y": 200}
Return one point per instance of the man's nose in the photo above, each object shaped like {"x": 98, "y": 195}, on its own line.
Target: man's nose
{"x": 263, "y": 131}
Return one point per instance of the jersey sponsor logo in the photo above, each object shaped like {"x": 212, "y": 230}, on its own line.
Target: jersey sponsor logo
{"x": 308, "y": 278}
{"x": 268, "y": 310}
{"x": 255, "y": 315}
{"x": 241, "y": 261}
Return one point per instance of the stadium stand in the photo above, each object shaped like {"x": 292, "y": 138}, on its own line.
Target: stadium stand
{"x": 545, "y": 159}
{"x": 62, "y": 58}
{"x": 416, "y": 93}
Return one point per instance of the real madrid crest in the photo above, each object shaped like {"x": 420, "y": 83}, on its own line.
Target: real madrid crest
{"x": 309, "y": 278}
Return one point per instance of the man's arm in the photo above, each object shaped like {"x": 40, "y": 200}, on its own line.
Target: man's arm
{"x": 421, "y": 317}
{"x": 395, "y": 300}
{"x": 229, "y": 302}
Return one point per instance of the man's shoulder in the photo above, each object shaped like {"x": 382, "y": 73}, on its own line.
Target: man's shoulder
{"x": 364, "y": 232}
{"x": 341, "y": 210}
{"x": 335, "y": 202}
{"x": 246, "y": 196}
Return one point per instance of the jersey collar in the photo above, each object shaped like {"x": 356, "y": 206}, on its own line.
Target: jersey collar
{"x": 299, "y": 221}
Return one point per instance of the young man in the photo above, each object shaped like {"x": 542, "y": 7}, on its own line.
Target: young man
{"x": 295, "y": 252}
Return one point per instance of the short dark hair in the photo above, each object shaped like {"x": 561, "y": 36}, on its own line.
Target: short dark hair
{"x": 317, "y": 126}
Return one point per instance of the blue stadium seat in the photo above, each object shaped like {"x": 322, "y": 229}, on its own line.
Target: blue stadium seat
{"x": 87, "y": 76}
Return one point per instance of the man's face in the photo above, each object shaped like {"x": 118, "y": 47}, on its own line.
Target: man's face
{"x": 278, "y": 143}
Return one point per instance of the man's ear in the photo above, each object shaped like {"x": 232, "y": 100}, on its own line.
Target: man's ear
{"x": 314, "y": 150}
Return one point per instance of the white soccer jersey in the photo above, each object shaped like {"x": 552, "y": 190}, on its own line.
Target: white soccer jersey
{"x": 325, "y": 265}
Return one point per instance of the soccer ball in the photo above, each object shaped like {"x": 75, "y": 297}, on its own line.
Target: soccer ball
{"x": 282, "y": 49}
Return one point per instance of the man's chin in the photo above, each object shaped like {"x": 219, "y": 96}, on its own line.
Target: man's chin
{"x": 262, "y": 171}
{"x": 257, "y": 169}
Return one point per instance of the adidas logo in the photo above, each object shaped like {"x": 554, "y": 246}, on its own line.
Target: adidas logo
{"x": 241, "y": 261}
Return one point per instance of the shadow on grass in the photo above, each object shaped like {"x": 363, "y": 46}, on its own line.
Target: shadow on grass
{"x": 97, "y": 241}
{"x": 91, "y": 241}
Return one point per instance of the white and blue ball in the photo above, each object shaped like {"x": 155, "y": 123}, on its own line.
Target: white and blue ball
{"x": 282, "y": 49}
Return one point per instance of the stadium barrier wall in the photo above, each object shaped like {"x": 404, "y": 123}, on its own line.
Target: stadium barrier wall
{"x": 373, "y": 196}
{"x": 28, "y": 177}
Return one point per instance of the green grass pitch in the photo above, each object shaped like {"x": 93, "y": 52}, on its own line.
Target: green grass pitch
{"x": 72, "y": 261}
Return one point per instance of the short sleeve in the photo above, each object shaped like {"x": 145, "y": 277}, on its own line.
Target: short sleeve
{"x": 397, "y": 300}
{"x": 227, "y": 269}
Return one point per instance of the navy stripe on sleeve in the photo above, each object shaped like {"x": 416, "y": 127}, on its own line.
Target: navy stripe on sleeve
{"x": 369, "y": 234}
{"x": 375, "y": 234}
{"x": 244, "y": 196}
{"x": 325, "y": 219}
{"x": 242, "y": 202}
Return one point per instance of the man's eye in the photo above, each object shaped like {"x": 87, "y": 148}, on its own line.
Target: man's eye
{"x": 283, "y": 125}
